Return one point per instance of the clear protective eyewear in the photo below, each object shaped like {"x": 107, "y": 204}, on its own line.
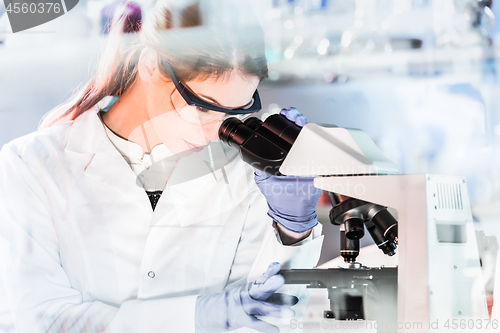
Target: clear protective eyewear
{"x": 206, "y": 111}
{"x": 199, "y": 115}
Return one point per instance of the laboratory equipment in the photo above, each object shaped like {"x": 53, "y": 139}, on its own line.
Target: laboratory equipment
{"x": 352, "y": 214}
{"x": 283, "y": 208}
{"x": 438, "y": 273}
{"x": 264, "y": 145}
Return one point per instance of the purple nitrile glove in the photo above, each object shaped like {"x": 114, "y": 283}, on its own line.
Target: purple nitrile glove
{"x": 292, "y": 200}
{"x": 232, "y": 309}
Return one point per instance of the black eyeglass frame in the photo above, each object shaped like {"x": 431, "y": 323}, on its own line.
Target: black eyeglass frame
{"x": 192, "y": 99}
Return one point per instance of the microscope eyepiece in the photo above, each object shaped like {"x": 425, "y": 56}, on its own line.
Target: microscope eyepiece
{"x": 253, "y": 123}
{"x": 234, "y": 132}
{"x": 264, "y": 145}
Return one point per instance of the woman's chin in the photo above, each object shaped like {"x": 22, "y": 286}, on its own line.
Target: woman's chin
{"x": 193, "y": 148}
{"x": 186, "y": 151}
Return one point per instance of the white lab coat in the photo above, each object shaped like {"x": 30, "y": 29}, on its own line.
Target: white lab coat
{"x": 82, "y": 250}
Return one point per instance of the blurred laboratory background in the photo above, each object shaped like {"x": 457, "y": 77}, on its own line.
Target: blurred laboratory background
{"x": 419, "y": 76}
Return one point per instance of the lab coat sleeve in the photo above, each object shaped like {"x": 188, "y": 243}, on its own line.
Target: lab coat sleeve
{"x": 260, "y": 245}
{"x": 38, "y": 290}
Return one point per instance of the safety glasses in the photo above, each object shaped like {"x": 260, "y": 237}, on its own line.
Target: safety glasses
{"x": 191, "y": 99}
{"x": 197, "y": 115}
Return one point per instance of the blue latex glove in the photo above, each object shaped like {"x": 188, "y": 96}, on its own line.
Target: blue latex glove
{"x": 232, "y": 309}
{"x": 292, "y": 200}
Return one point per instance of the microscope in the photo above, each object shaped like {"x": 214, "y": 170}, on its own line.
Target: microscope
{"x": 437, "y": 280}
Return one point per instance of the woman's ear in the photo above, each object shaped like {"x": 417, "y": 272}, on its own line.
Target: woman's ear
{"x": 148, "y": 66}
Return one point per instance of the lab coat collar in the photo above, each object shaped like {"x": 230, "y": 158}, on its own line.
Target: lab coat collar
{"x": 86, "y": 134}
{"x": 105, "y": 164}
{"x": 194, "y": 194}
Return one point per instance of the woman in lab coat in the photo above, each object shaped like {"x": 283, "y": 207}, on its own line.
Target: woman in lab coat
{"x": 137, "y": 219}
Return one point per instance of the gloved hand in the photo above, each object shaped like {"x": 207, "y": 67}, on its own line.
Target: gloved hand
{"x": 292, "y": 200}
{"x": 231, "y": 309}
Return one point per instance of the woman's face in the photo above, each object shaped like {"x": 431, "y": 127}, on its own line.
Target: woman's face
{"x": 184, "y": 128}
